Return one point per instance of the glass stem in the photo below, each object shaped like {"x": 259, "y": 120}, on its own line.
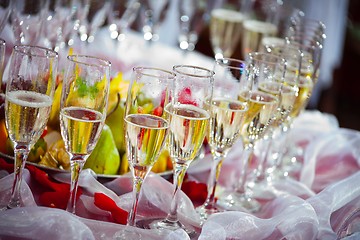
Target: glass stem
{"x": 21, "y": 154}
{"x": 263, "y": 164}
{"x": 77, "y": 164}
{"x": 136, "y": 194}
{"x": 245, "y": 158}
{"x": 213, "y": 180}
{"x": 179, "y": 173}
{"x": 284, "y": 139}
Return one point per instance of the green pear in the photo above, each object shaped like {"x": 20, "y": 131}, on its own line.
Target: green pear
{"x": 115, "y": 121}
{"x": 105, "y": 158}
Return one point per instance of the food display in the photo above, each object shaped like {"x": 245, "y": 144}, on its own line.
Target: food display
{"x": 108, "y": 158}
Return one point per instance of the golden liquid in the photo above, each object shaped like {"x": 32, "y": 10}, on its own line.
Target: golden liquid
{"x": 81, "y": 129}
{"x": 302, "y": 99}
{"x": 188, "y": 126}
{"x": 253, "y": 33}
{"x": 145, "y": 138}
{"x": 26, "y": 115}
{"x": 225, "y": 30}
{"x": 226, "y": 121}
{"x": 261, "y": 110}
{"x": 285, "y": 94}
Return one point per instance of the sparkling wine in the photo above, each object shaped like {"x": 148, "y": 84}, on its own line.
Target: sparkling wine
{"x": 225, "y": 30}
{"x": 269, "y": 42}
{"x": 253, "y": 33}
{"x": 80, "y": 128}
{"x": 26, "y": 115}
{"x": 227, "y": 117}
{"x": 286, "y": 100}
{"x": 305, "y": 90}
{"x": 262, "y": 107}
{"x": 188, "y": 126}
{"x": 146, "y": 136}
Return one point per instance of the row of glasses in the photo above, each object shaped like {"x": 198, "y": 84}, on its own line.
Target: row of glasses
{"x": 292, "y": 93}
{"x": 308, "y": 35}
{"x": 267, "y": 73}
{"x": 310, "y": 45}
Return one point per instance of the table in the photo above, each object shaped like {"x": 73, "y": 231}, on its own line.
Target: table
{"x": 313, "y": 206}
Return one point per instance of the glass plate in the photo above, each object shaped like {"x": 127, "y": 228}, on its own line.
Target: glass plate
{"x": 165, "y": 174}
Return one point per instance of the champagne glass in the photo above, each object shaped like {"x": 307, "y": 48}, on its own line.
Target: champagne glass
{"x": 27, "y": 20}
{"x": 152, "y": 14}
{"x": 189, "y": 112}
{"x": 146, "y": 124}
{"x": 226, "y": 121}
{"x": 2, "y": 59}
{"x": 192, "y": 20}
{"x": 92, "y": 15}
{"x": 263, "y": 23}
{"x": 265, "y": 70}
{"x": 122, "y": 15}
{"x": 29, "y": 95}
{"x": 226, "y": 26}
{"x": 5, "y": 10}
{"x": 59, "y": 24}
{"x": 83, "y": 106}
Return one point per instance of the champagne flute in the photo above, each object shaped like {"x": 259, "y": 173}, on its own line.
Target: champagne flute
{"x": 29, "y": 95}
{"x": 5, "y": 10}
{"x": 146, "y": 124}
{"x": 2, "y": 59}
{"x": 191, "y": 20}
{"x": 122, "y": 15}
{"x": 83, "y": 107}
{"x": 27, "y": 20}
{"x": 226, "y": 27}
{"x": 152, "y": 14}
{"x": 92, "y": 15}
{"x": 189, "y": 112}
{"x": 264, "y": 69}
{"x": 226, "y": 121}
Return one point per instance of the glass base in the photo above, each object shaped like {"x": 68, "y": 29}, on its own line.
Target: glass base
{"x": 205, "y": 212}
{"x": 238, "y": 202}
{"x": 164, "y": 224}
{"x": 350, "y": 227}
{"x": 127, "y": 234}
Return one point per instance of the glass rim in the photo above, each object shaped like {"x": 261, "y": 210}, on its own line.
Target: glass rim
{"x": 23, "y": 50}
{"x": 221, "y": 62}
{"x": 139, "y": 69}
{"x": 280, "y": 59}
{"x": 76, "y": 58}
{"x": 307, "y": 42}
{"x": 210, "y": 73}
{"x": 309, "y": 22}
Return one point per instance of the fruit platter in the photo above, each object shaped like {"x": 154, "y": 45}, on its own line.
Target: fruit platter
{"x": 108, "y": 159}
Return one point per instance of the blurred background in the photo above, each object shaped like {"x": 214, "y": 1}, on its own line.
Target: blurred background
{"x": 185, "y": 25}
